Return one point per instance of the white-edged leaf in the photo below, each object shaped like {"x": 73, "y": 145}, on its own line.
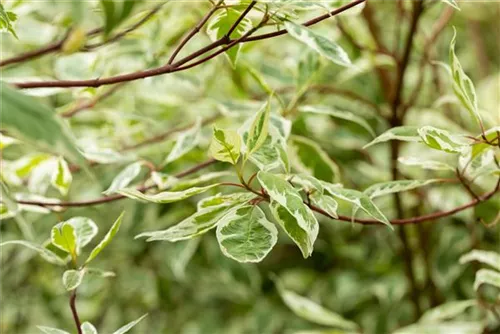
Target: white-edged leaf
{"x": 257, "y": 133}
{"x": 391, "y": 187}
{"x": 72, "y": 278}
{"x": 487, "y": 276}
{"x": 162, "y": 180}
{"x": 127, "y": 327}
{"x": 341, "y": 114}
{"x": 425, "y": 164}
{"x": 88, "y": 328}
{"x": 107, "y": 238}
{"x": 85, "y": 230}
{"x": 446, "y": 311}
{"x": 219, "y": 26}
{"x": 42, "y": 251}
{"x": 61, "y": 177}
{"x": 462, "y": 84}
{"x": 185, "y": 142}
{"x": 320, "y": 44}
{"x": 245, "y": 234}
{"x": 449, "y": 327}
{"x": 403, "y": 133}
{"x": 441, "y": 140}
{"x": 99, "y": 272}
{"x": 308, "y": 157}
{"x": 166, "y": 196}
{"x": 225, "y": 145}
{"x": 326, "y": 203}
{"x": 486, "y": 257}
{"x": 312, "y": 311}
{"x": 123, "y": 179}
{"x": 288, "y": 197}
{"x": 50, "y": 330}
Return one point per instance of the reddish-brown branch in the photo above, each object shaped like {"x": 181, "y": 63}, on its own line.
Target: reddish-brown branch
{"x": 72, "y": 305}
{"x": 170, "y": 68}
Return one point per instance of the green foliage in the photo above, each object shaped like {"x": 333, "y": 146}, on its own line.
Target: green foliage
{"x": 7, "y": 20}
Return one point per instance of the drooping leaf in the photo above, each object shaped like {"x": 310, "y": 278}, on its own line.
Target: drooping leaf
{"x": 245, "y": 235}
{"x": 107, "y": 238}
{"x": 225, "y": 145}
{"x": 308, "y": 157}
{"x": 441, "y": 140}
{"x": 341, "y": 114}
{"x": 312, "y": 311}
{"x": 403, "y": 133}
{"x": 219, "y": 26}
{"x": 50, "y": 330}
{"x": 64, "y": 237}
{"x": 88, "y": 328}
{"x": 462, "y": 84}
{"x": 61, "y": 177}
{"x": 185, "y": 142}
{"x": 127, "y": 327}
{"x": 487, "y": 276}
{"x": 123, "y": 179}
{"x": 486, "y": 257}
{"x": 320, "y": 44}
{"x": 72, "y": 278}
{"x": 446, "y": 311}
{"x": 47, "y": 255}
{"x": 288, "y": 197}
{"x": 31, "y": 121}
{"x": 165, "y": 196}
{"x": 258, "y": 131}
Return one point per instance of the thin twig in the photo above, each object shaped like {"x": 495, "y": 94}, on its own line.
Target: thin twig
{"x": 72, "y": 305}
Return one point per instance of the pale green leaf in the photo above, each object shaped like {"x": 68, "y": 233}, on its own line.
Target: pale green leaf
{"x": 88, "y": 328}
{"x": 285, "y": 195}
{"x": 245, "y": 234}
{"x": 341, "y": 114}
{"x": 163, "y": 181}
{"x": 185, "y": 142}
{"x": 107, "y": 238}
{"x": 425, "y": 164}
{"x": 441, "y": 140}
{"x": 85, "y": 230}
{"x": 487, "y": 276}
{"x": 446, "y": 311}
{"x": 61, "y": 177}
{"x": 63, "y": 236}
{"x": 391, "y": 187}
{"x": 225, "y": 145}
{"x": 72, "y": 278}
{"x": 42, "y": 251}
{"x": 486, "y": 257}
{"x": 123, "y": 179}
{"x": 308, "y": 67}
{"x": 166, "y": 196}
{"x": 127, "y": 327}
{"x": 326, "y": 203}
{"x": 320, "y": 44}
{"x": 308, "y": 157}
{"x": 403, "y": 133}
{"x": 258, "y": 131}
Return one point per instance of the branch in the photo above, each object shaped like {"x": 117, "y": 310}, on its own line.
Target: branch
{"x": 170, "y": 68}
{"x": 240, "y": 18}
{"x": 72, "y": 305}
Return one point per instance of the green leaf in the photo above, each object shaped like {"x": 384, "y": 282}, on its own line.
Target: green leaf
{"x": 63, "y": 236}
{"x": 185, "y": 142}
{"x": 50, "y": 330}
{"x": 6, "y": 21}
{"x": 313, "y": 312}
{"x": 42, "y": 251}
{"x": 345, "y": 115}
{"x": 403, "y": 133}
{"x": 258, "y": 131}
{"x": 452, "y": 3}
{"x": 441, "y": 140}
{"x": 245, "y": 235}
{"x": 61, "y": 177}
{"x": 72, "y": 278}
{"x": 462, "y": 84}
{"x": 127, "y": 327}
{"x": 285, "y": 195}
{"x": 391, "y": 187}
{"x": 107, "y": 238}
{"x": 425, "y": 164}
{"x": 219, "y": 26}
{"x": 308, "y": 68}
{"x": 487, "y": 276}
{"x": 325, "y": 203}
{"x": 34, "y": 122}
{"x": 166, "y": 196}
{"x": 491, "y": 135}
{"x": 85, "y": 230}
{"x": 486, "y": 257}
{"x": 455, "y": 327}
{"x": 115, "y": 12}
{"x": 225, "y": 145}
{"x": 308, "y": 157}
{"x": 446, "y": 311}
{"x": 318, "y": 43}
{"x": 210, "y": 211}
{"x": 88, "y": 328}
{"x": 123, "y": 179}
{"x": 360, "y": 200}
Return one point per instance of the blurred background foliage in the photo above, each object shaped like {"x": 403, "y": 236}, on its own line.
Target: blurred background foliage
{"x": 189, "y": 287}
